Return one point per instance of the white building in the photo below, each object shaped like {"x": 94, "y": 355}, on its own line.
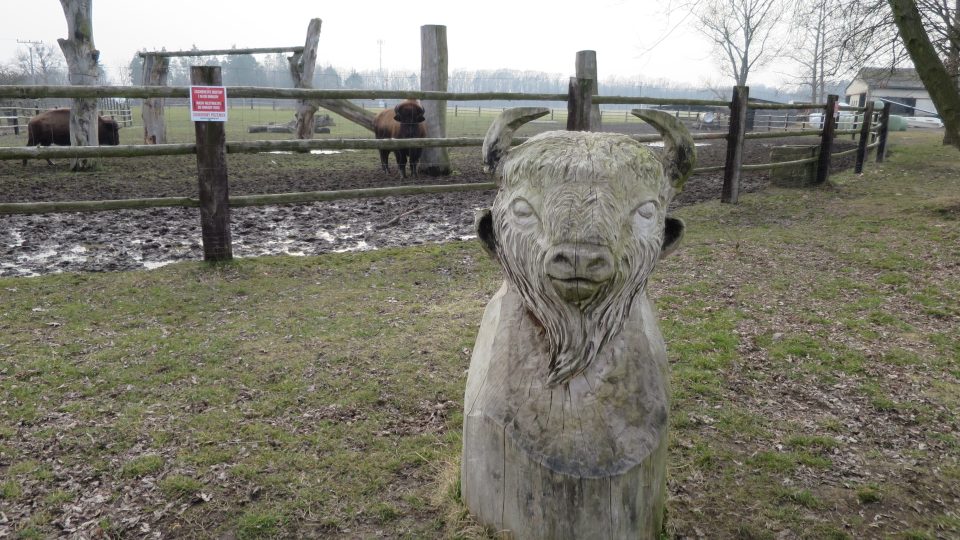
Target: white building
{"x": 901, "y": 87}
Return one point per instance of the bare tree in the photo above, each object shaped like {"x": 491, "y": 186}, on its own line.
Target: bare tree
{"x": 43, "y": 64}
{"x": 11, "y": 75}
{"x": 822, "y": 50}
{"x": 742, "y": 32}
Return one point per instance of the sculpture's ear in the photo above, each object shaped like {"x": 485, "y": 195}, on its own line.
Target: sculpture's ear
{"x": 485, "y": 232}
{"x": 672, "y": 233}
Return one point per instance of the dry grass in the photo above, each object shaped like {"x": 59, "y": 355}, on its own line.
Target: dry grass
{"x": 812, "y": 335}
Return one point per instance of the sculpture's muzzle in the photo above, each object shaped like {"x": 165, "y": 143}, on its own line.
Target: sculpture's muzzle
{"x": 578, "y": 271}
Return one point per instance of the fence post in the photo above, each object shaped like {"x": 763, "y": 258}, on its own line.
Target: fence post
{"x": 155, "y": 70}
{"x": 738, "y": 123}
{"x": 884, "y": 129}
{"x": 587, "y": 69}
{"x": 433, "y": 76}
{"x": 864, "y": 138}
{"x": 826, "y": 139}
{"x": 579, "y": 103}
{"x": 212, "y": 175}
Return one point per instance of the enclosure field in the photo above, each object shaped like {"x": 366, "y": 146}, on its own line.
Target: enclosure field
{"x": 812, "y": 336}
{"x": 128, "y": 239}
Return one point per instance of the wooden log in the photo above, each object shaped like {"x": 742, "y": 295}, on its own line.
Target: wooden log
{"x": 53, "y": 152}
{"x": 253, "y": 147}
{"x": 302, "y": 65}
{"x": 884, "y": 130}
{"x": 826, "y": 139}
{"x": 212, "y": 176}
{"x": 780, "y": 134}
{"x": 864, "y": 138}
{"x": 278, "y": 128}
{"x": 738, "y": 126}
{"x": 155, "y": 71}
{"x": 83, "y": 69}
{"x": 579, "y": 104}
{"x": 354, "y": 113}
{"x": 249, "y": 147}
{"x": 586, "y": 68}
{"x": 566, "y": 404}
{"x": 31, "y": 92}
{"x": 95, "y": 206}
{"x": 569, "y": 462}
{"x": 433, "y": 77}
{"x": 243, "y": 200}
{"x": 219, "y": 52}
{"x": 636, "y": 100}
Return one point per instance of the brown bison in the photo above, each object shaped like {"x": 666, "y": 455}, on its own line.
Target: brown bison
{"x": 53, "y": 127}
{"x": 405, "y": 121}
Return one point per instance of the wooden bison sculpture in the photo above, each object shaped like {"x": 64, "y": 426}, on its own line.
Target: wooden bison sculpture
{"x": 566, "y": 403}
{"x": 53, "y": 127}
{"x": 405, "y": 121}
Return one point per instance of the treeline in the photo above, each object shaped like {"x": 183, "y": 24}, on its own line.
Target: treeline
{"x": 272, "y": 70}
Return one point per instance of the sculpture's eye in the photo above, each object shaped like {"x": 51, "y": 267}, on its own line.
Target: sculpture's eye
{"x": 522, "y": 211}
{"x": 645, "y": 214}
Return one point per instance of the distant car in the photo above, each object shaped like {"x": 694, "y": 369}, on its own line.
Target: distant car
{"x": 923, "y": 122}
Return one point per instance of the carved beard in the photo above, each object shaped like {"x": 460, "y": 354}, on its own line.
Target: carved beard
{"x": 576, "y": 334}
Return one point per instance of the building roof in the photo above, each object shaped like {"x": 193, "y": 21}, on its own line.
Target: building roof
{"x": 894, "y": 78}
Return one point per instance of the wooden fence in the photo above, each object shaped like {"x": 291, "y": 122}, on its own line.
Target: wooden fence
{"x": 871, "y": 130}
{"x": 13, "y": 120}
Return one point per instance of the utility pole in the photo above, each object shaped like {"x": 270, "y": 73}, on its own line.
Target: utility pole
{"x": 32, "y": 44}
{"x": 383, "y": 82}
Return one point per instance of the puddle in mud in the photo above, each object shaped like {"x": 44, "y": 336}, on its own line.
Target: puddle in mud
{"x": 148, "y": 239}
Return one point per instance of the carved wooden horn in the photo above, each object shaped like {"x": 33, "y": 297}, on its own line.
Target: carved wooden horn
{"x": 679, "y": 152}
{"x": 498, "y": 137}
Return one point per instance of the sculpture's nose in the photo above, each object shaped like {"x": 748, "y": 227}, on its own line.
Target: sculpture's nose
{"x": 578, "y": 270}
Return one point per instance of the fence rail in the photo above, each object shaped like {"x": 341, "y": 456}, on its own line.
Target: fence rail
{"x": 736, "y": 132}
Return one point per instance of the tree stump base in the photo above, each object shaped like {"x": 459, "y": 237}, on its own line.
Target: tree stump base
{"x": 582, "y": 460}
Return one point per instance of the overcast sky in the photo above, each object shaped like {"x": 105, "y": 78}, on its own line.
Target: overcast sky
{"x": 633, "y": 39}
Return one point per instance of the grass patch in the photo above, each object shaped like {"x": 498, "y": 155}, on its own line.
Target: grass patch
{"x": 177, "y": 485}
{"x": 258, "y": 524}
{"x": 869, "y": 495}
{"x": 142, "y": 466}
{"x": 321, "y": 396}
{"x": 10, "y": 490}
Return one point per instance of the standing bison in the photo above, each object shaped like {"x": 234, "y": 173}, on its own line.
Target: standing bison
{"x": 566, "y": 402}
{"x": 405, "y": 121}
{"x": 53, "y": 127}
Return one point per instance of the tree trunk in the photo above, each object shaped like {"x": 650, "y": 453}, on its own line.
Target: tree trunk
{"x": 433, "y": 76}
{"x": 301, "y": 69}
{"x": 583, "y": 461}
{"x": 941, "y": 86}
{"x": 155, "y": 70}
{"x": 953, "y": 65}
{"x": 82, "y": 58}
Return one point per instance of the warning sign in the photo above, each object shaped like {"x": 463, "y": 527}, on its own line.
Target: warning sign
{"x": 208, "y": 104}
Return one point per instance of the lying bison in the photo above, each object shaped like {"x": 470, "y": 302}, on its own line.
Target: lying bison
{"x": 53, "y": 127}
{"x": 566, "y": 402}
{"x": 405, "y": 121}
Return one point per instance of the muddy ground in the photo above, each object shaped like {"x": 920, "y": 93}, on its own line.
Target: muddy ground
{"x": 131, "y": 239}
